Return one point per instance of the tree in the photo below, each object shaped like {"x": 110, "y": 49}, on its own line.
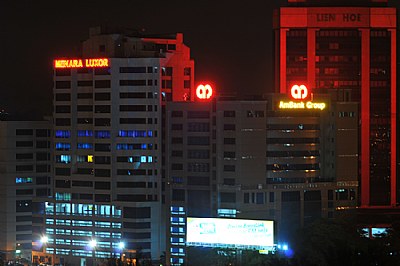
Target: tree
{"x": 340, "y": 242}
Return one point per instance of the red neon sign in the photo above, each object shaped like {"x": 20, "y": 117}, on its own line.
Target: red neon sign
{"x": 204, "y": 92}
{"x": 299, "y": 92}
{"x": 80, "y": 63}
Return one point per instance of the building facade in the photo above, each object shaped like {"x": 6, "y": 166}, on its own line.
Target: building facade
{"x": 25, "y": 173}
{"x": 255, "y": 159}
{"x": 108, "y": 189}
{"x": 348, "y": 47}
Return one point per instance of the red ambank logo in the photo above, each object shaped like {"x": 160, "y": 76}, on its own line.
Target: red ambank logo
{"x": 299, "y": 92}
{"x": 204, "y": 92}
{"x": 80, "y": 63}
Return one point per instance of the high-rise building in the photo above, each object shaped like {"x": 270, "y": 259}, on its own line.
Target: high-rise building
{"x": 262, "y": 159}
{"x": 348, "y": 47}
{"x": 108, "y": 128}
{"x": 25, "y": 162}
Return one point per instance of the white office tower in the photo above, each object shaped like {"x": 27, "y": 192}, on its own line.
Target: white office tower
{"x": 108, "y": 105}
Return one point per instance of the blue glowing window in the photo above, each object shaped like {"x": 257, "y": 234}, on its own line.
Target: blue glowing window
{"x": 150, "y": 133}
{"x": 23, "y": 180}
{"x": 150, "y": 159}
{"x": 63, "y": 158}
{"x": 63, "y": 134}
{"x": 142, "y": 159}
{"x": 60, "y": 146}
{"x": 135, "y": 146}
{"x": 85, "y": 146}
{"x": 85, "y": 133}
{"x": 102, "y": 134}
{"x": 132, "y": 133}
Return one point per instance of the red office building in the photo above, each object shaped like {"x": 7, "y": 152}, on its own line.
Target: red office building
{"x": 348, "y": 46}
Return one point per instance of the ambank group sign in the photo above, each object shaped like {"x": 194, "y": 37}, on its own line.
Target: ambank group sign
{"x": 300, "y": 94}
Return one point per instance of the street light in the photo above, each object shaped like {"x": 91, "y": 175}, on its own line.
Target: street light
{"x": 44, "y": 240}
{"x": 93, "y": 243}
{"x": 121, "y": 246}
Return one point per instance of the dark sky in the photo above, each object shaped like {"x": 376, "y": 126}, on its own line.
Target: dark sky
{"x": 230, "y": 41}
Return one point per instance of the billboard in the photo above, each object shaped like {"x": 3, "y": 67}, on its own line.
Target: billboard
{"x": 223, "y": 232}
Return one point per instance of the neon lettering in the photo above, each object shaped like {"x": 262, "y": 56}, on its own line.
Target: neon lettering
{"x": 80, "y": 63}
{"x": 301, "y": 105}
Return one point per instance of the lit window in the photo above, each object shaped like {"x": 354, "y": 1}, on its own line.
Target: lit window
{"x": 85, "y": 133}
{"x": 90, "y": 158}
{"x": 63, "y": 134}
{"x": 22, "y": 180}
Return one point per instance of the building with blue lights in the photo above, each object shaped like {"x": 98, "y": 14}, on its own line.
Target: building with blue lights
{"x": 108, "y": 149}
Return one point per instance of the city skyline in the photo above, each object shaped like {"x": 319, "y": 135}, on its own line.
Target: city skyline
{"x": 37, "y": 33}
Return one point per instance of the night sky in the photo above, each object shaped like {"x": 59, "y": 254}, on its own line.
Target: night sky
{"x": 230, "y": 41}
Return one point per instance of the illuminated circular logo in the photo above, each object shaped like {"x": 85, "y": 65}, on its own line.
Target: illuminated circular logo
{"x": 204, "y": 92}
{"x": 299, "y": 92}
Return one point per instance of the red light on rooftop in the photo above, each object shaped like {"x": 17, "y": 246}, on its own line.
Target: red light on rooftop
{"x": 299, "y": 92}
{"x": 204, "y": 92}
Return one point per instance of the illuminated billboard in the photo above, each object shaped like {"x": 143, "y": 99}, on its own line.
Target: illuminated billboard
{"x": 223, "y": 232}
{"x": 80, "y": 63}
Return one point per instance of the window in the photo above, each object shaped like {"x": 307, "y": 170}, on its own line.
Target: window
{"x": 176, "y": 114}
{"x": 137, "y": 82}
{"x": 84, "y": 108}
{"x": 102, "y": 134}
{"x": 102, "y": 109}
{"x": 85, "y": 96}
{"x": 102, "y": 122}
{"x": 192, "y": 140}
{"x": 24, "y": 144}
{"x": 227, "y": 197}
{"x": 63, "y": 84}
{"x": 63, "y": 97}
{"x": 24, "y": 132}
{"x": 229, "y": 168}
{"x": 84, "y": 133}
{"x": 132, "y": 108}
{"x": 84, "y": 146}
{"x": 63, "y": 72}
{"x": 132, "y": 70}
{"x": 229, "y": 113}
{"x": 23, "y": 156}
{"x": 85, "y": 83}
{"x": 132, "y": 95}
{"x": 63, "y": 122}
{"x": 102, "y": 96}
{"x": 229, "y": 140}
{"x": 132, "y": 120}
{"x": 198, "y": 127}
{"x": 100, "y": 84}
{"x": 63, "y": 109}
{"x": 23, "y": 180}
{"x": 229, "y": 126}
{"x": 198, "y": 114}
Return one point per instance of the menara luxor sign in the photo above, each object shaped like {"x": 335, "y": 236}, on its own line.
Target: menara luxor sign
{"x": 81, "y": 63}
